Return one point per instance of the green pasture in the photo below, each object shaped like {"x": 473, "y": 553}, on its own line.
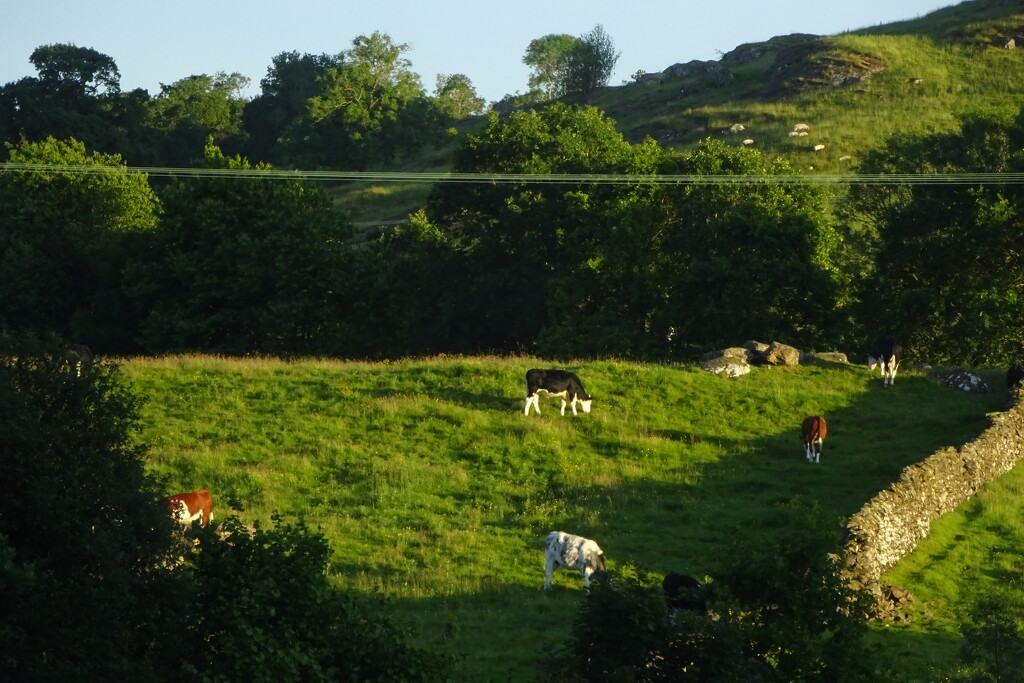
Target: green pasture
{"x": 436, "y": 491}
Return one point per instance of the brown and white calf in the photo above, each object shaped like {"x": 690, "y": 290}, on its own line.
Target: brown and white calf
{"x": 188, "y": 507}
{"x": 562, "y": 383}
{"x": 568, "y": 551}
{"x": 813, "y": 431}
{"x": 887, "y": 354}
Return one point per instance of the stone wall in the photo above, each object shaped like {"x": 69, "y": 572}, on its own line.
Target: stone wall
{"x": 891, "y": 524}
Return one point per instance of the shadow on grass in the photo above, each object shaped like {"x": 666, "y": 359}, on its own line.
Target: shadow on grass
{"x": 664, "y": 526}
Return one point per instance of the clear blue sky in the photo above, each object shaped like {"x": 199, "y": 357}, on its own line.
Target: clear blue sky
{"x": 156, "y": 42}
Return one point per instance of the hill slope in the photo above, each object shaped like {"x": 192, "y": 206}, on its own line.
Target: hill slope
{"x": 434, "y": 489}
{"x": 852, "y": 91}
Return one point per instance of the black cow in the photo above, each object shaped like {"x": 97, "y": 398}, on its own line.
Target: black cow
{"x": 684, "y": 592}
{"x": 1014, "y": 376}
{"x": 887, "y": 353}
{"x": 561, "y": 383}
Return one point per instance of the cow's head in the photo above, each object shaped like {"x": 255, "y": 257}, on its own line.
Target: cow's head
{"x": 179, "y": 511}
{"x": 586, "y": 405}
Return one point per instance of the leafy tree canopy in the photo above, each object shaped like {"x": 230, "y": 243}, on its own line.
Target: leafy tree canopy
{"x": 62, "y": 238}
{"x": 80, "y": 68}
{"x": 949, "y": 274}
{"x": 456, "y": 96}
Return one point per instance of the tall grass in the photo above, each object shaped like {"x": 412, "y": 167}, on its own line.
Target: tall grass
{"x": 435, "y": 490}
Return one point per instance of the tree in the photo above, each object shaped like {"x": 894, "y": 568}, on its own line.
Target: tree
{"x": 243, "y": 264}
{"x": 949, "y": 260}
{"x": 71, "y": 98}
{"x": 563, "y": 65}
{"x": 764, "y": 250}
{"x": 456, "y": 96}
{"x": 64, "y": 239}
{"x": 264, "y": 610}
{"x": 519, "y": 238}
{"x": 82, "y": 537}
{"x": 591, "y": 62}
{"x": 277, "y": 121}
{"x": 549, "y": 57}
{"x": 187, "y": 111}
{"x": 371, "y": 107}
{"x": 79, "y": 70}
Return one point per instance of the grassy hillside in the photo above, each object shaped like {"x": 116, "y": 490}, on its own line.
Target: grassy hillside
{"x": 853, "y": 90}
{"x": 435, "y": 490}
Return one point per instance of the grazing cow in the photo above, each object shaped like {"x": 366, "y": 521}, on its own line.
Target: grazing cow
{"x": 813, "y": 431}
{"x": 561, "y": 383}
{"x": 188, "y": 507}
{"x": 887, "y": 354}
{"x": 562, "y": 550}
{"x": 684, "y": 592}
{"x": 1014, "y": 376}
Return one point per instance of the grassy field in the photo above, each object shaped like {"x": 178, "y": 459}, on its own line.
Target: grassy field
{"x": 435, "y": 490}
{"x": 973, "y": 553}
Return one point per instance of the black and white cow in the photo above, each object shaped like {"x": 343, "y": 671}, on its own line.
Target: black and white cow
{"x": 887, "y": 354}
{"x": 562, "y": 383}
{"x": 684, "y": 592}
{"x": 567, "y": 551}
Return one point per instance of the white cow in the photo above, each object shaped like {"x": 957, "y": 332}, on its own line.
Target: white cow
{"x": 567, "y": 551}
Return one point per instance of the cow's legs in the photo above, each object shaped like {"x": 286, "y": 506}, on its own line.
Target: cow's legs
{"x": 549, "y": 568}
{"x": 534, "y": 401}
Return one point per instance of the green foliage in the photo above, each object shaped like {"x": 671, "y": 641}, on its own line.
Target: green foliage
{"x": 265, "y": 611}
{"x": 82, "y": 537}
{"x": 371, "y": 107}
{"x": 765, "y": 252}
{"x": 188, "y": 111}
{"x": 591, "y": 62}
{"x": 804, "y": 620}
{"x": 277, "y": 120}
{"x": 948, "y": 267}
{"x": 779, "y": 612}
{"x": 64, "y": 240}
{"x": 456, "y": 96}
{"x": 78, "y": 68}
{"x": 993, "y": 647}
{"x": 242, "y": 264}
{"x": 548, "y": 57}
{"x": 566, "y": 66}
{"x": 71, "y": 98}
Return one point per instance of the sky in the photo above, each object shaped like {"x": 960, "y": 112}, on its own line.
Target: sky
{"x": 160, "y": 42}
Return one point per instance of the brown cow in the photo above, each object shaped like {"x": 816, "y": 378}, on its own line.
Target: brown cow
{"x": 188, "y": 507}
{"x": 813, "y": 432}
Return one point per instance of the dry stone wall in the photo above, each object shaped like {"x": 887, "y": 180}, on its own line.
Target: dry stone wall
{"x": 891, "y": 524}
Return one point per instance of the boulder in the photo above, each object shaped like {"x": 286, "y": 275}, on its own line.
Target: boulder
{"x": 722, "y": 365}
{"x": 964, "y": 380}
{"x": 781, "y": 354}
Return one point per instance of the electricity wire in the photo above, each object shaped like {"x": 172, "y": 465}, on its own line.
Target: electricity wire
{"x": 958, "y": 178}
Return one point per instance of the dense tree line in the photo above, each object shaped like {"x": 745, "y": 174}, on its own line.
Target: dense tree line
{"x": 243, "y": 259}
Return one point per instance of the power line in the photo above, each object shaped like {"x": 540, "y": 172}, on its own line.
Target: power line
{"x": 960, "y": 178}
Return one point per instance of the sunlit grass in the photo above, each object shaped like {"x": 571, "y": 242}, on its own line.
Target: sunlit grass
{"x": 435, "y": 490}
